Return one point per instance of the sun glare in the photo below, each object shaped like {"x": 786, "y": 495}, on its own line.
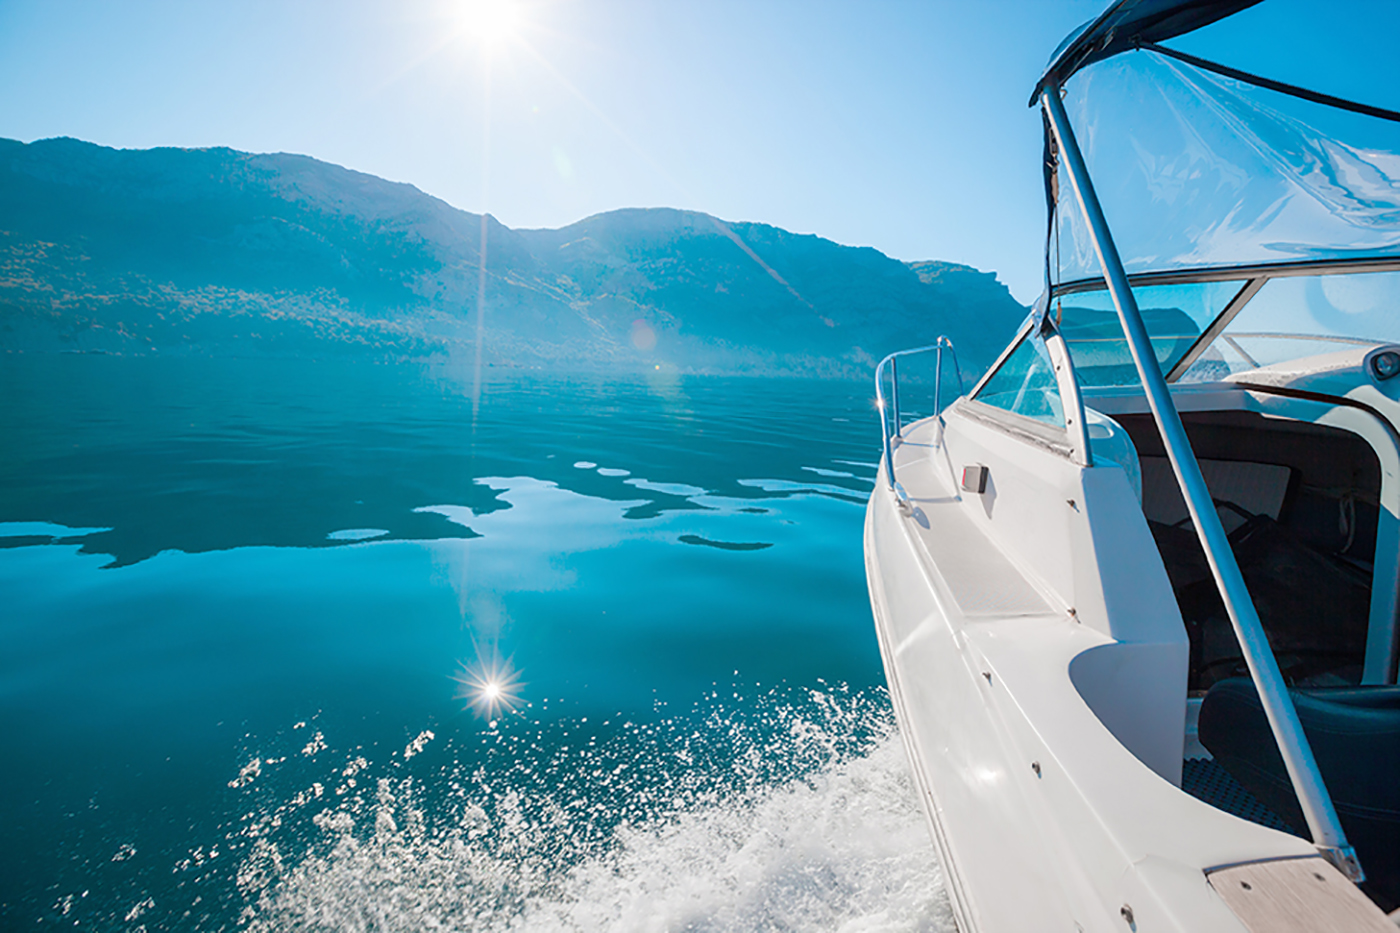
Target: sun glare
{"x": 489, "y": 687}
{"x": 490, "y": 22}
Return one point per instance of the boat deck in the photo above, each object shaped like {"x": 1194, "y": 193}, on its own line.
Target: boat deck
{"x": 1208, "y": 782}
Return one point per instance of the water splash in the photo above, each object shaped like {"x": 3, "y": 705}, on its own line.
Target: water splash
{"x": 791, "y": 811}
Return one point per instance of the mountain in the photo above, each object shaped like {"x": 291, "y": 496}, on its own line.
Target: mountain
{"x": 215, "y": 251}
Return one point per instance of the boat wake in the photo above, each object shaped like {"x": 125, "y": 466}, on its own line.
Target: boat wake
{"x": 795, "y": 813}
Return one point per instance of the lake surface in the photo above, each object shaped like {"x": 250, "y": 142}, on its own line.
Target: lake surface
{"x": 253, "y": 615}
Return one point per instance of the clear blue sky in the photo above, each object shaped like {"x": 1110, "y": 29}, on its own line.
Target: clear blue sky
{"x": 898, "y": 125}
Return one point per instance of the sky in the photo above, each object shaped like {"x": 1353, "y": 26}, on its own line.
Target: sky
{"x": 899, "y": 124}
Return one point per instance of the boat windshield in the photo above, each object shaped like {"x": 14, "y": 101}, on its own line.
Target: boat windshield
{"x": 1303, "y": 316}
{"x": 1270, "y": 320}
{"x": 1025, "y": 384}
{"x": 1175, "y": 315}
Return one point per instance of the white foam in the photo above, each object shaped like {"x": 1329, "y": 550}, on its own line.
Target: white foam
{"x": 842, "y": 847}
{"x": 418, "y": 744}
{"x": 844, "y": 850}
{"x": 317, "y": 744}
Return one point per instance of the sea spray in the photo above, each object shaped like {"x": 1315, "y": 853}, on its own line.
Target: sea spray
{"x": 792, "y": 811}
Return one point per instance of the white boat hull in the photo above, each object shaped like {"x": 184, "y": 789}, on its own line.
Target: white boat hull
{"x": 1037, "y": 664}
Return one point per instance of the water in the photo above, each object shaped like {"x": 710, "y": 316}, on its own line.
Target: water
{"x": 249, "y": 608}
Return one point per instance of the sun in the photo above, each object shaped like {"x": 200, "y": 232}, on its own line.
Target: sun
{"x": 490, "y": 22}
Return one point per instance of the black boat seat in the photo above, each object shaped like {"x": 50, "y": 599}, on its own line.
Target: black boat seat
{"x": 1355, "y": 736}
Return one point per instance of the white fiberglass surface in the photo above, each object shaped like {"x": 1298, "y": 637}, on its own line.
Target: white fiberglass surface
{"x": 1197, "y": 170}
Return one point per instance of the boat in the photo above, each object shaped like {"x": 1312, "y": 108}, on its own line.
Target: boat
{"x": 1136, "y": 588}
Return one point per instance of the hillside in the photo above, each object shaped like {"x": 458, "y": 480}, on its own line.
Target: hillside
{"x": 220, "y": 252}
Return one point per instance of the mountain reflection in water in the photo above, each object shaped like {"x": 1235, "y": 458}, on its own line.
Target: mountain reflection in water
{"x": 245, "y": 601}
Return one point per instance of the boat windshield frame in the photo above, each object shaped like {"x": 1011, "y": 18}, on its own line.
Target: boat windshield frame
{"x": 1254, "y": 277}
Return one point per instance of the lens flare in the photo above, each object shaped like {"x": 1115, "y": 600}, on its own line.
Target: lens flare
{"x": 643, "y": 335}
{"x": 490, "y": 687}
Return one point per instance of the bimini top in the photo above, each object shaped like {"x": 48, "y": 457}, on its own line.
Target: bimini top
{"x": 1199, "y": 166}
{"x": 1128, "y": 24}
{"x": 1247, "y": 213}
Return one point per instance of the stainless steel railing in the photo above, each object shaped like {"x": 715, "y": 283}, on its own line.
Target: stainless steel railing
{"x": 891, "y": 411}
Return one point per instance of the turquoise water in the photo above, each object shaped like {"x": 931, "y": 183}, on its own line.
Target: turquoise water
{"x": 250, "y": 609}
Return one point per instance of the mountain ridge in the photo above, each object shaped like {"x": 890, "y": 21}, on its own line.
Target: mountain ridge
{"x": 217, "y": 251}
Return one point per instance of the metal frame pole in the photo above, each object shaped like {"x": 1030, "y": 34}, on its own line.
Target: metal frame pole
{"x": 1327, "y": 832}
{"x": 894, "y": 395}
{"x": 938, "y": 378}
{"x": 884, "y": 421}
{"x": 1076, "y": 426}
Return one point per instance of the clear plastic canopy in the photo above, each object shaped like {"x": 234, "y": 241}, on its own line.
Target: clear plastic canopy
{"x": 1195, "y": 170}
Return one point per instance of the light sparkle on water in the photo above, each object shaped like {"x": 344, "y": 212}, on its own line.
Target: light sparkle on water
{"x": 490, "y": 686}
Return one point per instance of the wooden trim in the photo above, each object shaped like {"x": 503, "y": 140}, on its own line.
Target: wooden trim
{"x": 1301, "y": 895}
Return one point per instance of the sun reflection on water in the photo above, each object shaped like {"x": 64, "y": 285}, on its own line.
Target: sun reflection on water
{"x": 490, "y": 686}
